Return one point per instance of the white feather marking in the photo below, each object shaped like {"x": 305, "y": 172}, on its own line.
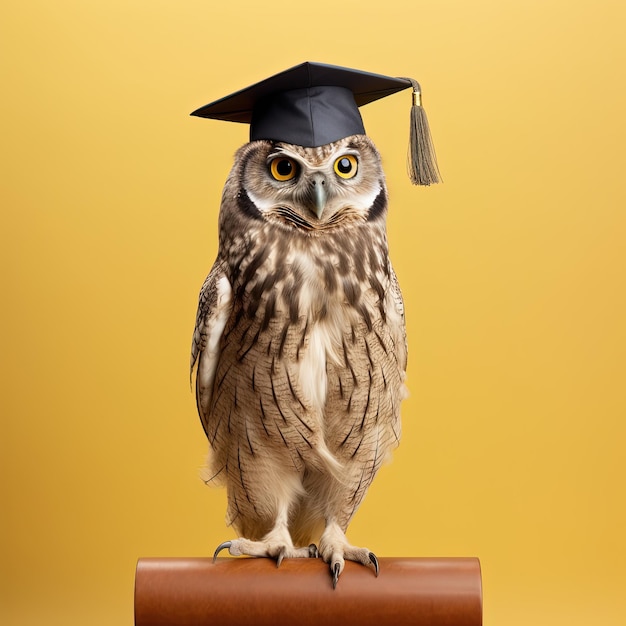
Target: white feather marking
{"x": 313, "y": 380}
{"x": 324, "y": 337}
{"x": 363, "y": 199}
{"x": 262, "y": 203}
{"x": 214, "y": 327}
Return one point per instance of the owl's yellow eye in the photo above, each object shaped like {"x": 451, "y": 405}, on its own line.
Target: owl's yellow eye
{"x": 283, "y": 169}
{"x": 346, "y": 166}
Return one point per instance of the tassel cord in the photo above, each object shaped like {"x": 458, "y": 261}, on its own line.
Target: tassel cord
{"x": 421, "y": 158}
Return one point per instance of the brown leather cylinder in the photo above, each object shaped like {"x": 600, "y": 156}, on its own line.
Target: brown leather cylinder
{"x": 232, "y": 592}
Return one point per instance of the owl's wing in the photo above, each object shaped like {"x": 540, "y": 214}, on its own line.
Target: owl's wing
{"x": 214, "y": 307}
{"x": 397, "y": 325}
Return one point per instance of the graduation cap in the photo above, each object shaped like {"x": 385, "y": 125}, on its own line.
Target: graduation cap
{"x": 313, "y": 104}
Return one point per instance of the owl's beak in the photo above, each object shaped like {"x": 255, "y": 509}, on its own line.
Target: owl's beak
{"x": 319, "y": 195}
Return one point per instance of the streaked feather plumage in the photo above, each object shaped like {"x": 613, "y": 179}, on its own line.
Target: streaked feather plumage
{"x": 300, "y": 344}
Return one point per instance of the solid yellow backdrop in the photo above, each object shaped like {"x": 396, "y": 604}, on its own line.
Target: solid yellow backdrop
{"x": 512, "y": 271}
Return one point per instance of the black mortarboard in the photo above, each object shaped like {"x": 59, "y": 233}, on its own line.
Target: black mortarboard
{"x": 313, "y": 104}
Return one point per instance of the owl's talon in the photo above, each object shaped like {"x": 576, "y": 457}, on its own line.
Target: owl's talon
{"x": 222, "y": 546}
{"x": 279, "y": 558}
{"x": 313, "y": 551}
{"x": 374, "y": 560}
{"x": 336, "y": 569}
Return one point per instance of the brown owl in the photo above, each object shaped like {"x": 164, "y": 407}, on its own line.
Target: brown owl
{"x": 300, "y": 341}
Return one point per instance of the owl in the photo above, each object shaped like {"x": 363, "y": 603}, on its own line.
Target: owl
{"x": 299, "y": 347}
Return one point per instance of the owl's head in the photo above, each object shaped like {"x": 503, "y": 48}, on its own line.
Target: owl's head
{"x": 312, "y": 189}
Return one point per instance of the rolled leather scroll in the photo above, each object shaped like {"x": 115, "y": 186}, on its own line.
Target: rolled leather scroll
{"x": 233, "y": 592}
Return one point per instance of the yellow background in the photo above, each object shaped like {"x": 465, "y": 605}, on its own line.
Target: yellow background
{"x": 513, "y": 273}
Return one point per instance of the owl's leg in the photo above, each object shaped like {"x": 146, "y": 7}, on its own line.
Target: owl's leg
{"x": 276, "y": 544}
{"x": 335, "y": 550}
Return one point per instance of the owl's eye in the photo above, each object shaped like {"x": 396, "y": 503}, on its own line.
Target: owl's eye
{"x": 346, "y": 166}
{"x": 283, "y": 169}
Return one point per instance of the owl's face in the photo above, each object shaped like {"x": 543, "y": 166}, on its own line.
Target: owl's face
{"x": 313, "y": 188}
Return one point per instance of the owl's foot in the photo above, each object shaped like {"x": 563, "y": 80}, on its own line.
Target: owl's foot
{"x": 335, "y": 550}
{"x": 278, "y": 550}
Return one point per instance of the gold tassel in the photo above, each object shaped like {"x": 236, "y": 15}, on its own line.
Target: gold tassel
{"x": 421, "y": 159}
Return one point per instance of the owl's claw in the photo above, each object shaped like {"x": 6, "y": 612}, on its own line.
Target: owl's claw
{"x": 272, "y": 550}
{"x": 222, "y": 546}
{"x": 279, "y": 558}
{"x": 374, "y": 560}
{"x": 335, "y": 550}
